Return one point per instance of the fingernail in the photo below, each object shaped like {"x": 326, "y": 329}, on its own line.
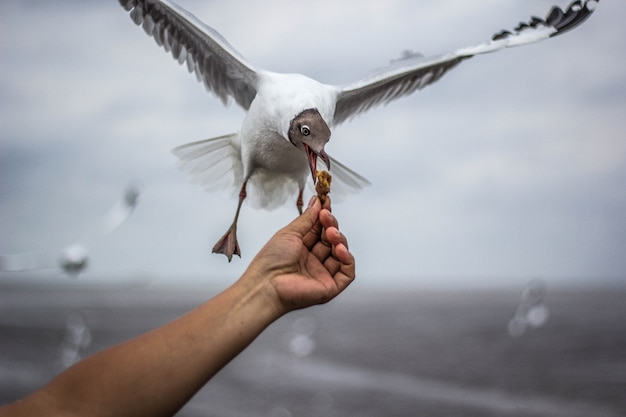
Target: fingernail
{"x": 312, "y": 202}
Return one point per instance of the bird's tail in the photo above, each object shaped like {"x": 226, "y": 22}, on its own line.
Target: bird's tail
{"x": 212, "y": 163}
{"x": 215, "y": 164}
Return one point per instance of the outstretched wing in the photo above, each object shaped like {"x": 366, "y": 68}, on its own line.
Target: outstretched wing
{"x": 408, "y": 74}
{"x": 223, "y": 70}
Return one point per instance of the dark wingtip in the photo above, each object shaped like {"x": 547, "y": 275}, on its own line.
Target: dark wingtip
{"x": 576, "y": 13}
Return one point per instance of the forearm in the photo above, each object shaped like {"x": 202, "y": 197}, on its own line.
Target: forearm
{"x": 156, "y": 373}
{"x": 305, "y": 263}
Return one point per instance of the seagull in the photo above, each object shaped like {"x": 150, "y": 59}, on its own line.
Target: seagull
{"x": 289, "y": 117}
{"x": 74, "y": 258}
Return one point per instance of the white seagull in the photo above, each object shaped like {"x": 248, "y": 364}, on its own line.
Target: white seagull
{"x": 74, "y": 258}
{"x": 289, "y": 116}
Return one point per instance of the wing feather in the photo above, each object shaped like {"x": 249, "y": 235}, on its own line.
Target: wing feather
{"x": 219, "y": 66}
{"x": 410, "y": 73}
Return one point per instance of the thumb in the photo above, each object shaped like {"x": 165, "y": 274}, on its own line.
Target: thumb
{"x": 305, "y": 222}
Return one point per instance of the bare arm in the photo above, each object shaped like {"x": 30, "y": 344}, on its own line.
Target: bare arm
{"x": 155, "y": 374}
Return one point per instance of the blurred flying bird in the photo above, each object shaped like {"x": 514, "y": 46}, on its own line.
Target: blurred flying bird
{"x": 74, "y": 258}
{"x": 531, "y": 311}
{"x": 289, "y": 116}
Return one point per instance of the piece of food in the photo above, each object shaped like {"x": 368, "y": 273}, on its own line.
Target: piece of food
{"x": 322, "y": 185}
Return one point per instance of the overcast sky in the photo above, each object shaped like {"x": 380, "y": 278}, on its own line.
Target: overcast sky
{"x": 511, "y": 167}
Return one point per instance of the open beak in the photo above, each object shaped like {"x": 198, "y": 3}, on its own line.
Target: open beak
{"x": 312, "y": 157}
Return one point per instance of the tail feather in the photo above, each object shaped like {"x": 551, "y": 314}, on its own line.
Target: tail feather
{"x": 208, "y": 162}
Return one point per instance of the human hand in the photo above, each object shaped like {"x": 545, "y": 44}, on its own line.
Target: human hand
{"x": 305, "y": 263}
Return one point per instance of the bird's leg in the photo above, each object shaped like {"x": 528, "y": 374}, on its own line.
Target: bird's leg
{"x": 299, "y": 202}
{"x": 228, "y": 244}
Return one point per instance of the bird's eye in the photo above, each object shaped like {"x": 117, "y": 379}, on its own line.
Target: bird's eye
{"x": 305, "y": 130}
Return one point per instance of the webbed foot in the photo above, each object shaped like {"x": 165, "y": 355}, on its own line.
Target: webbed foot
{"x": 228, "y": 244}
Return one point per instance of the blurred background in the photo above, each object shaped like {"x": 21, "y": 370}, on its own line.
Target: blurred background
{"x": 511, "y": 166}
{"x": 506, "y": 175}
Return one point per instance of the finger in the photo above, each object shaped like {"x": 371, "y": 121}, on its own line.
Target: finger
{"x": 334, "y": 237}
{"x": 313, "y": 236}
{"x": 327, "y": 219}
{"x": 330, "y": 233}
{"x": 329, "y": 223}
{"x": 327, "y": 204}
{"x": 322, "y": 249}
{"x": 305, "y": 224}
{"x": 341, "y": 266}
{"x": 325, "y": 249}
{"x": 343, "y": 255}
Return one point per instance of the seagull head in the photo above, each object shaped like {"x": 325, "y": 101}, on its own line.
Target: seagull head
{"x": 309, "y": 131}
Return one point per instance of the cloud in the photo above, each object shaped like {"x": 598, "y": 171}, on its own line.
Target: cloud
{"x": 512, "y": 165}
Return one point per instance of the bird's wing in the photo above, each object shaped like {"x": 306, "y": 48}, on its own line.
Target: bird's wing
{"x": 28, "y": 261}
{"x": 223, "y": 70}
{"x": 120, "y": 211}
{"x": 410, "y": 73}
{"x": 345, "y": 181}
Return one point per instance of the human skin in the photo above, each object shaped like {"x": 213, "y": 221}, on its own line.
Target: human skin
{"x": 155, "y": 374}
